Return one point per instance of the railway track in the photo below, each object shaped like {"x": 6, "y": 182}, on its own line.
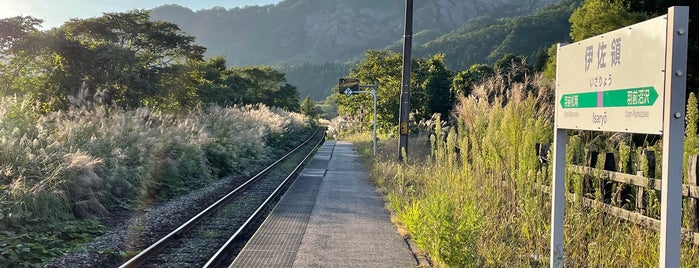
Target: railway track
{"x": 210, "y": 238}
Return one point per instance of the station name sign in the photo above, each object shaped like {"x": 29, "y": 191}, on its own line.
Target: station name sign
{"x": 615, "y": 81}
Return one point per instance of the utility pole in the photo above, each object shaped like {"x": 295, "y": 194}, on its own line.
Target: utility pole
{"x": 405, "y": 86}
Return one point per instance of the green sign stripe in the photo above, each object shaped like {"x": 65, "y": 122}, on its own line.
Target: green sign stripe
{"x": 642, "y": 96}
{"x": 580, "y": 100}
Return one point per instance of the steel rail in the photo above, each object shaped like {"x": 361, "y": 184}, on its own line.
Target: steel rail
{"x": 144, "y": 255}
{"x": 216, "y": 258}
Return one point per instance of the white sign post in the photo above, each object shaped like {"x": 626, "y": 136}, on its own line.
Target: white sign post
{"x": 629, "y": 80}
{"x": 351, "y": 86}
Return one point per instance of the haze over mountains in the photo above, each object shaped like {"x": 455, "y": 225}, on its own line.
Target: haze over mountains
{"x": 326, "y": 34}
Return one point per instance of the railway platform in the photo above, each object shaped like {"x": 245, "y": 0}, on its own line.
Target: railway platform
{"x": 329, "y": 217}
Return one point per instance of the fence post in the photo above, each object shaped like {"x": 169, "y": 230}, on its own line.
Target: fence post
{"x": 542, "y": 153}
{"x": 622, "y": 192}
{"x": 605, "y": 186}
{"x": 587, "y": 179}
{"x": 649, "y": 157}
{"x": 692, "y": 204}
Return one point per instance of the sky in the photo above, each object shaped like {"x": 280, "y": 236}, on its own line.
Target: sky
{"x": 56, "y": 12}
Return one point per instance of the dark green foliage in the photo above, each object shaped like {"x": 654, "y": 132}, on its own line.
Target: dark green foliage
{"x": 657, "y": 7}
{"x": 293, "y": 32}
{"x": 598, "y": 16}
{"x": 180, "y": 168}
{"x": 224, "y": 86}
{"x": 262, "y": 84}
{"x": 313, "y": 40}
{"x": 540, "y": 59}
{"x": 383, "y": 67}
{"x": 486, "y": 39}
{"x": 128, "y": 60}
{"x": 122, "y": 58}
{"x": 35, "y": 241}
{"x": 511, "y": 69}
{"x": 309, "y": 108}
{"x": 287, "y": 97}
{"x": 437, "y": 86}
{"x": 220, "y": 158}
{"x": 218, "y": 84}
{"x": 430, "y": 88}
{"x": 476, "y": 74}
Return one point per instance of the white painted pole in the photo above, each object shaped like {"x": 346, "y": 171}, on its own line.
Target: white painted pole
{"x": 673, "y": 136}
{"x": 558, "y": 196}
{"x": 560, "y": 139}
{"x": 374, "y": 92}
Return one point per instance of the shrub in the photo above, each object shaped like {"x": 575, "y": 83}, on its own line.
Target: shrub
{"x": 475, "y": 200}
{"x": 84, "y": 162}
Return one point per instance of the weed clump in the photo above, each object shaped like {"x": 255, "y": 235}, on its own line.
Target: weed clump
{"x": 478, "y": 198}
{"x": 80, "y": 163}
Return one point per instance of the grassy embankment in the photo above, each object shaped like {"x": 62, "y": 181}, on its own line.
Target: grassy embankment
{"x": 58, "y": 171}
{"x": 479, "y": 205}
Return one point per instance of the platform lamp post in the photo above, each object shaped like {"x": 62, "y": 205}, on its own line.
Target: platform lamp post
{"x": 404, "y": 115}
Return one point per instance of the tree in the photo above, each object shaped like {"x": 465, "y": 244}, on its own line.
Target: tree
{"x": 18, "y": 50}
{"x": 328, "y": 107}
{"x": 157, "y": 43}
{"x": 463, "y": 80}
{"x": 383, "y": 67}
{"x": 511, "y": 69}
{"x": 595, "y": 17}
{"x": 430, "y": 89}
{"x": 128, "y": 60}
{"x": 217, "y": 84}
{"x": 438, "y": 88}
{"x": 262, "y": 84}
{"x": 540, "y": 60}
{"x": 15, "y": 30}
{"x": 549, "y": 71}
{"x": 654, "y": 8}
{"x": 287, "y": 97}
{"x": 308, "y": 107}
{"x": 122, "y": 58}
{"x": 130, "y": 56}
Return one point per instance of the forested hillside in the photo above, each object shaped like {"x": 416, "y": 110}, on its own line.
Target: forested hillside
{"x": 316, "y": 31}
{"x": 486, "y": 39}
{"x": 303, "y": 36}
{"x": 315, "y": 80}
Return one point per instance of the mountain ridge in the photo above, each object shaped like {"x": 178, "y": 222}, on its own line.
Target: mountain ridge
{"x": 317, "y": 41}
{"x": 298, "y": 31}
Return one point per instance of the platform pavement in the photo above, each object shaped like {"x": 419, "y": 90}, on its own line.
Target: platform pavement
{"x": 329, "y": 217}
